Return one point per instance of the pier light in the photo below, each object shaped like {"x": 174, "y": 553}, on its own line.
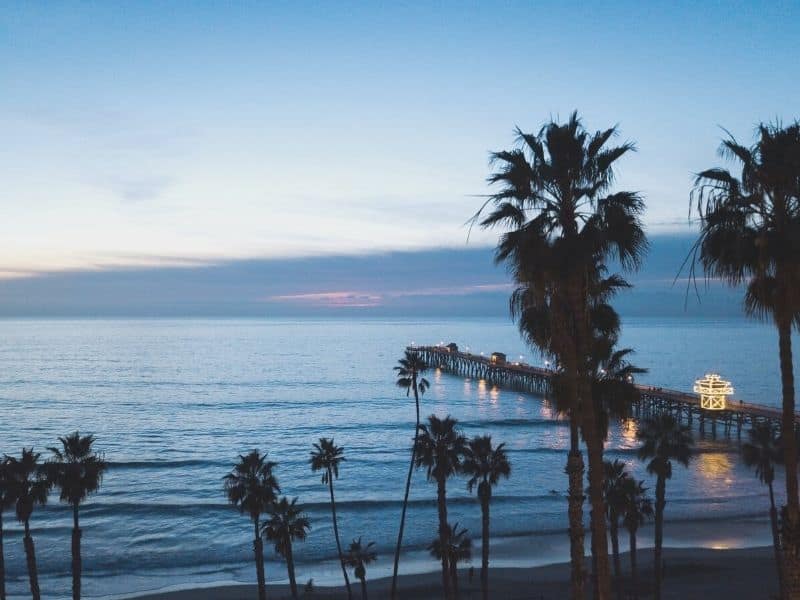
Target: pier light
{"x": 713, "y": 390}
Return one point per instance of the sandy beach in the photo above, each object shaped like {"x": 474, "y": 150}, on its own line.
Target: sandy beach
{"x": 689, "y": 573}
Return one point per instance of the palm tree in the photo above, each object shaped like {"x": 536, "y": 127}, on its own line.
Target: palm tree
{"x": 485, "y": 465}
{"x": 252, "y": 488}
{"x": 440, "y": 449}
{"x": 748, "y": 235}
{"x": 7, "y": 500}
{"x": 763, "y": 452}
{"x": 77, "y": 471}
{"x": 638, "y": 508}
{"x": 663, "y": 440}
{"x": 562, "y": 226}
{"x": 327, "y": 457}
{"x": 359, "y": 556}
{"x": 287, "y": 523}
{"x": 614, "y": 494}
{"x": 455, "y": 548}
{"x": 30, "y": 488}
{"x": 409, "y": 369}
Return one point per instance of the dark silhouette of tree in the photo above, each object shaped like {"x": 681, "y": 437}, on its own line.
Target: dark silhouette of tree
{"x": 485, "y": 465}
{"x": 562, "y": 226}
{"x": 286, "y": 524}
{"x": 440, "y": 449}
{"x": 359, "y": 556}
{"x": 749, "y": 232}
{"x": 663, "y": 440}
{"x": 30, "y": 487}
{"x": 7, "y": 500}
{"x": 762, "y": 452}
{"x": 252, "y": 488}
{"x": 638, "y": 508}
{"x": 614, "y": 494}
{"x": 456, "y": 547}
{"x": 327, "y": 457}
{"x": 77, "y": 471}
{"x": 410, "y": 370}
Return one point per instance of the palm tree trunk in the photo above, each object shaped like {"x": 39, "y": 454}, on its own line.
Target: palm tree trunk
{"x": 258, "y": 551}
{"x": 30, "y": 557}
{"x": 597, "y": 516}
{"x": 441, "y": 496}
{"x": 336, "y": 534}
{"x": 2, "y": 561}
{"x": 634, "y": 574}
{"x": 454, "y": 577}
{"x": 363, "y": 588}
{"x": 773, "y": 517}
{"x": 659, "y": 534}
{"x": 791, "y": 521}
{"x": 574, "y": 472}
{"x": 405, "y": 499}
{"x": 76, "y": 555}
{"x": 485, "y": 497}
{"x": 290, "y": 569}
{"x": 613, "y": 530}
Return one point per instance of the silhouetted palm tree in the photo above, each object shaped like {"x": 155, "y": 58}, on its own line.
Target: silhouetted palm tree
{"x": 485, "y": 466}
{"x": 457, "y": 547}
{"x": 562, "y": 227}
{"x": 359, "y": 556}
{"x": 748, "y": 235}
{"x": 327, "y": 457}
{"x": 287, "y": 523}
{"x": 614, "y": 494}
{"x": 7, "y": 500}
{"x": 440, "y": 449}
{"x": 409, "y": 369}
{"x": 77, "y": 471}
{"x": 252, "y": 488}
{"x": 637, "y": 510}
{"x": 30, "y": 488}
{"x": 763, "y": 452}
{"x": 663, "y": 440}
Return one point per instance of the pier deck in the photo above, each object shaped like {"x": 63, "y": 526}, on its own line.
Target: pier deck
{"x": 536, "y": 380}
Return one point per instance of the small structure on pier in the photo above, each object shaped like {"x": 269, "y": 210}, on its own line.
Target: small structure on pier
{"x": 452, "y": 347}
{"x": 498, "y": 358}
{"x": 713, "y": 390}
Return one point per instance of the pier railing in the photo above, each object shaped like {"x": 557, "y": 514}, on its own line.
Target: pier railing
{"x": 652, "y": 399}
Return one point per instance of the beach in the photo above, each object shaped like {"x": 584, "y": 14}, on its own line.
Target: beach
{"x": 689, "y": 573}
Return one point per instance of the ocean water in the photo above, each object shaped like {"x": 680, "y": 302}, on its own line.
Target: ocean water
{"x": 172, "y": 403}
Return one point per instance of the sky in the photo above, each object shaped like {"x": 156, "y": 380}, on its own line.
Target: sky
{"x": 162, "y": 135}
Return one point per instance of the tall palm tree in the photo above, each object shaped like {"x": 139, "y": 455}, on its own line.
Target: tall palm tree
{"x": 77, "y": 471}
{"x": 327, "y": 457}
{"x": 455, "y": 548}
{"x": 562, "y": 226}
{"x": 440, "y": 449}
{"x": 663, "y": 440}
{"x": 7, "y": 500}
{"x": 252, "y": 487}
{"x": 638, "y": 508}
{"x": 359, "y": 556}
{"x": 762, "y": 452}
{"x": 30, "y": 488}
{"x": 749, "y": 227}
{"x": 287, "y": 523}
{"x": 410, "y": 370}
{"x": 485, "y": 466}
{"x": 614, "y": 493}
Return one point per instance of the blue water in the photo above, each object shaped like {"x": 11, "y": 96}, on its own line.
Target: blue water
{"x": 172, "y": 403}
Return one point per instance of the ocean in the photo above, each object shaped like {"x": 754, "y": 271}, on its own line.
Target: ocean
{"x": 173, "y": 402}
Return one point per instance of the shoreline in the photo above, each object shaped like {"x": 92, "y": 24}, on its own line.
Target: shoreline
{"x": 712, "y": 574}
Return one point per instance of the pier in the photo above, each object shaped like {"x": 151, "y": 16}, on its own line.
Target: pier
{"x": 519, "y": 376}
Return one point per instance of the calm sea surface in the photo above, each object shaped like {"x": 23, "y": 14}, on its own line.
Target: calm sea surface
{"x": 172, "y": 403}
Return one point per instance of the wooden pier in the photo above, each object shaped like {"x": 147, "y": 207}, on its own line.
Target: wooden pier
{"x": 522, "y": 377}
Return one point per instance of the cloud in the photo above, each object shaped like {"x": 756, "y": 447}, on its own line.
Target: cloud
{"x": 138, "y": 189}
